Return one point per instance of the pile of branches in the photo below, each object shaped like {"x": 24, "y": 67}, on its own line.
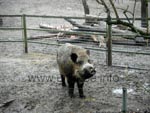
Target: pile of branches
{"x": 118, "y": 21}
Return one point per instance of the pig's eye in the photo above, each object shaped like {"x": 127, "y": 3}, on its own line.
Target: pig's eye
{"x": 80, "y": 62}
{"x": 89, "y": 61}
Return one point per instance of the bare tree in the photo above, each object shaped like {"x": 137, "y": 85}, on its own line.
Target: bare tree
{"x": 118, "y": 21}
{"x": 88, "y": 21}
{"x": 86, "y": 7}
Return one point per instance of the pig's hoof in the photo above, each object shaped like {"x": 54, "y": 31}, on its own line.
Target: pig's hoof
{"x": 64, "y": 85}
{"x": 82, "y": 96}
{"x": 71, "y": 96}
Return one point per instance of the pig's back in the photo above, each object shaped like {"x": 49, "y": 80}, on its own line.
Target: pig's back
{"x": 63, "y": 59}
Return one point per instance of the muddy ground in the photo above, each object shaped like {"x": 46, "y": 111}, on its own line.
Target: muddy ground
{"x": 30, "y": 83}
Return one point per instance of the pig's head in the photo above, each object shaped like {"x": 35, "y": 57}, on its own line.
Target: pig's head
{"x": 83, "y": 66}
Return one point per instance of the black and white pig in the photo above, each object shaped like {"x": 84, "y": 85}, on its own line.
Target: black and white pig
{"x": 75, "y": 65}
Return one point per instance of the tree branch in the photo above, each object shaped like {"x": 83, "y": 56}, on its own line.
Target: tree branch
{"x": 114, "y": 8}
{"x": 125, "y": 13}
{"x": 131, "y": 26}
{"x": 125, "y": 10}
{"x": 99, "y": 2}
{"x": 134, "y": 12}
{"x": 118, "y": 21}
{"x": 103, "y": 3}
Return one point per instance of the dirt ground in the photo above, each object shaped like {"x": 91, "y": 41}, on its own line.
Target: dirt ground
{"x": 30, "y": 83}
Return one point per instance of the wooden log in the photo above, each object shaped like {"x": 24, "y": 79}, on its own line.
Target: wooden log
{"x": 82, "y": 27}
{"x": 61, "y": 27}
{"x": 46, "y": 36}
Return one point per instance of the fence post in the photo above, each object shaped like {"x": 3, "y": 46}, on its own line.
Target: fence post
{"x": 124, "y": 100}
{"x": 25, "y": 33}
{"x": 147, "y": 21}
{"x": 109, "y": 42}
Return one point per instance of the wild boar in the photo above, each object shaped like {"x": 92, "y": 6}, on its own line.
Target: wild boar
{"x": 75, "y": 65}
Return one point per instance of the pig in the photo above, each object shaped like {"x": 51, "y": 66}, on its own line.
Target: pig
{"x": 75, "y": 65}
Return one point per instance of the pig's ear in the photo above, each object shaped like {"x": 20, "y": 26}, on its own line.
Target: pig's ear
{"x": 74, "y": 57}
{"x": 88, "y": 52}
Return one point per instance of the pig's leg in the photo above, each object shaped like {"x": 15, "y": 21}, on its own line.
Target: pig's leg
{"x": 63, "y": 80}
{"x": 71, "y": 83}
{"x": 80, "y": 88}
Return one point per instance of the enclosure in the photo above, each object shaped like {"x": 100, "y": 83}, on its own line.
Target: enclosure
{"x": 30, "y": 80}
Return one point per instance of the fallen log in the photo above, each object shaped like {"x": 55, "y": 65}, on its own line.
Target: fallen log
{"x": 61, "y": 27}
{"x": 97, "y": 28}
{"x": 47, "y": 26}
{"x": 46, "y": 36}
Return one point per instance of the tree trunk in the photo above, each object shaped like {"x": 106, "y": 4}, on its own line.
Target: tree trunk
{"x": 143, "y": 13}
{"x": 86, "y": 7}
{"x": 86, "y": 10}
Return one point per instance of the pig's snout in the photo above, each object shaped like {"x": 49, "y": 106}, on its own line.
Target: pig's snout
{"x": 92, "y": 70}
{"x": 89, "y": 71}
